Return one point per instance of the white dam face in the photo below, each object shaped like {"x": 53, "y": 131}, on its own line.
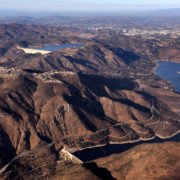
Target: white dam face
{"x": 34, "y": 51}
{"x": 48, "y": 48}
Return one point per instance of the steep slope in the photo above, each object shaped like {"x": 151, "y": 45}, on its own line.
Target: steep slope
{"x": 77, "y": 98}
{"x": 39, "y": 163}
{"x": 156, "y": 49}
{"x": 79, "y": 111}
{"x": 93, "y": 57}
{"x": 29, "y": 34}
{"x": 147, "y": 161}
{"x": 13, "y": 35}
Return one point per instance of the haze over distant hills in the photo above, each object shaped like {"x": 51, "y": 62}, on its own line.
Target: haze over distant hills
{"x": 127, "y": 12}
{"x": 165, "y": 12}
{"x": 116, "y": 21}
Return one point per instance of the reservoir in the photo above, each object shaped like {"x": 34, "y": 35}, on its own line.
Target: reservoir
{"x": 48, "y": 48}
{"x": 51, "y": 47}
{"x": 169, "y": 71}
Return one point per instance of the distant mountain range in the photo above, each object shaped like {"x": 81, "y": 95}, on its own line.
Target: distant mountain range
{"x": 137, "y": 13}
{"x": 165, "y": 12}
{"x": 162, "y": 17}
{"x": 77, "y": 99}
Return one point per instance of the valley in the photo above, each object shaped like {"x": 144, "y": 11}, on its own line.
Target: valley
{"x": 55, "y": 105}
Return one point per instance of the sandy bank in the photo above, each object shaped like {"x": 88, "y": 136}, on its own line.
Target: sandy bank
{"x": 33, "y": 51}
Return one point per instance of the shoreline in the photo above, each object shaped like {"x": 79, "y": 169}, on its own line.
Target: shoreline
{"x": 167, "y": 60}
{"x": 141, "y": 140}
{"x": 164, "y": 60}
{"x": 157, "y": 65}
{"x": 116, "y": 148}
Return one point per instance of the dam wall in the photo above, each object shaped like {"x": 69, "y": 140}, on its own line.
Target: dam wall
{"x": 33, "y": 51}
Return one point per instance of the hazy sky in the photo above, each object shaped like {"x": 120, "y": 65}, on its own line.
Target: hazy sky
{"x": 86, "y": 5}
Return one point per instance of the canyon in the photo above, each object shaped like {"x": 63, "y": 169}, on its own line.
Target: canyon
{"x": 106, "y": 92}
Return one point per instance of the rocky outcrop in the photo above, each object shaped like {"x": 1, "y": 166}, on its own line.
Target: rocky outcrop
{"x": 78, "y": 98}
{"x": 82, "y": 111}
{"x": 94, "y": 57}
{"x": 39, "y": 163}
{"x": 147, "y": 161}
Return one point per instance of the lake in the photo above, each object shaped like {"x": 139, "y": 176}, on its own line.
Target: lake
{"x": 169, "y": 71}
{"x": 52, "y": 47}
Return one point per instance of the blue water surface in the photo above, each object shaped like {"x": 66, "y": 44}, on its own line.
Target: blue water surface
{"x": 52, "y": 47}
{"x": 169, "y": 71}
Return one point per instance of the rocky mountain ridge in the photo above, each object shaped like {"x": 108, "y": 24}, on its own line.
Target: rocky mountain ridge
{"x": 80, "y": 98}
